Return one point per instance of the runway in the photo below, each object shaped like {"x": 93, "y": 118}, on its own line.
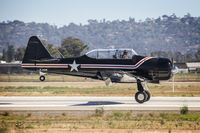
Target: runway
{"x": 86, "y": 103}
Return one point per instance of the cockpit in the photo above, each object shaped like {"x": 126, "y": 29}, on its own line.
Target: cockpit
{"x": 111, "y": 53}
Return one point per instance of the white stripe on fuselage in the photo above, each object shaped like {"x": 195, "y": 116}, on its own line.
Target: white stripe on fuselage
{"x": 28, "y": 65}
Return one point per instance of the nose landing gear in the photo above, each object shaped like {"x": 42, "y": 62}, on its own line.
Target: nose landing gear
{"x": 143, "y": 95}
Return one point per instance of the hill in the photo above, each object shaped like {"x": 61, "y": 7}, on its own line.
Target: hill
{"x": 166, "y": 33}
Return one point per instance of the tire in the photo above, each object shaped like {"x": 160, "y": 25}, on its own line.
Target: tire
{"x": 140, "y": 97}
{"x": 148, "y": 95}
{"x": 42, "y": 78}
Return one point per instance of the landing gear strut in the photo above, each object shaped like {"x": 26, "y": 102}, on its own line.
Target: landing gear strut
{"x": 143, "y": 94}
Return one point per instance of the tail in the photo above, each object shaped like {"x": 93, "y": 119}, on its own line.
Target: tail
{"x": 35, "y": 51}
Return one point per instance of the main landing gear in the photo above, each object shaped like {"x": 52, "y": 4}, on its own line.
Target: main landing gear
{"x": 143, "y": 94}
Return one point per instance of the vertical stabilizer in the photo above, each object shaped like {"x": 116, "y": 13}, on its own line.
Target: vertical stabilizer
{"x": 35, "y": 51}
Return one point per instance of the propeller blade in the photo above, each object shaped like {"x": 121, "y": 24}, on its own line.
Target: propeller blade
{"x": 175, "y": 69}
{"x": 172, "y": 59}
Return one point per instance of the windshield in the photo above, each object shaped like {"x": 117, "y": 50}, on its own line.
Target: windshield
{"x": 111, "y": 53}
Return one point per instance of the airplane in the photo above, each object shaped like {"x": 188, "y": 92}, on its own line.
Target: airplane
{"x": 101, "y": 64}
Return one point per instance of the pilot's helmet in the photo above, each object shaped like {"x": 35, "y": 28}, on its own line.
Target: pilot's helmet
{"x": 125, "y": 52}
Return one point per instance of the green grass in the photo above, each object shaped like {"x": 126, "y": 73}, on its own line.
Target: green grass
{"x": 180, "y": 117}
{"x": 13, "y": 117}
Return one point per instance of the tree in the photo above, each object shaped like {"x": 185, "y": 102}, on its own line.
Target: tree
{"x": 10, "y": 52}
{"x": 197, "y": 55}
{"x": 179, "y": 57}
{"x": 189, "y": 57}
{"x": 19, "y": 54}
{"x": 53, "y": 50}
{"x": 72, "y": 47}
{"x": 4, "y": 56}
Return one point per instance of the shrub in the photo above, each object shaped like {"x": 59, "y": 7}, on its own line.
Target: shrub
{"x": 19, "y": 124}
{"x": 162, "y": 122}
{"x": 29, "y": 114}
{"x": 184, "y": 110}
{"x": 151, "y": 114}
{"x": 6, "y": 113}
{"x": 63, "y": 114}
{"x": 99, "y": 112}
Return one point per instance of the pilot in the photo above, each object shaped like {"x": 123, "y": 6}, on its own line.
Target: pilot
{"x": 125, "y": 54}
{"x": 117, "y": 54}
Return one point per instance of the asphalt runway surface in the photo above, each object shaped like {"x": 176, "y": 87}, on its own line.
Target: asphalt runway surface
{"x": 87, "y": 103}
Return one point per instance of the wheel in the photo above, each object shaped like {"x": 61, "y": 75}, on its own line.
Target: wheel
{"x": 148, "y": 95}
{"x": 140, "y": 97}
{"x": 42, "y": 78}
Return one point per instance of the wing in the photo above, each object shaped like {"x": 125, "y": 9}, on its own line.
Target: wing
{"x": 118, "y": 76}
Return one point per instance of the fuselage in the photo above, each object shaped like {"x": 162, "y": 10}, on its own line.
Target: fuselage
{"x": 150, "y": 68}
{"x": 97, "y": 63}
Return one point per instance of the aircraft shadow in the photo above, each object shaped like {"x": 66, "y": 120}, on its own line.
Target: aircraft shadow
{"x": 5, "y": 103}
{"x": 93, "y": 103}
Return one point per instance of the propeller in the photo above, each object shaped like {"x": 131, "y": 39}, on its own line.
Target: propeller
{"x": 174, "y": 71}
{"x": 174, "y": 68}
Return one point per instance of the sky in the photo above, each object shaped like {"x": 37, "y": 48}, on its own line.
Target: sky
{"x": 64, "y": 12}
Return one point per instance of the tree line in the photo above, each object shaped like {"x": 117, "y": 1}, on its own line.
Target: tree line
{"x": 75, "y": 47}
{"x": 69, "y": 47}
{"x": 178, "y": 56}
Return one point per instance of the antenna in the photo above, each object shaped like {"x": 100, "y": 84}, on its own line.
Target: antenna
{"x": 60, "y": 54}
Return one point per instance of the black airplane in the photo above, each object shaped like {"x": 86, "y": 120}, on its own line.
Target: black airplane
{"x": 102, "y": 64}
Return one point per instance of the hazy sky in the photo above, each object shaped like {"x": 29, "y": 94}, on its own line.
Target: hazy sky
{"x": 62, "y": 12}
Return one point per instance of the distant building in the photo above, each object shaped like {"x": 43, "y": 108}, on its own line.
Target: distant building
{"x": 182, "y": 67}
{"x": 2, "y": 61}
{"x": 193, "y": 67}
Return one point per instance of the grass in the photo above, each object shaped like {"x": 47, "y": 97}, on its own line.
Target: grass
{"x": 87, "y": 90}
{"x": 189, "y": 77}
{"x": 99, "y": 112}
{"x": 115, "y": 90}
{"x": 35, "y": 78}
{"x": 65, "y": 78}
{"x": 116, "y": 120}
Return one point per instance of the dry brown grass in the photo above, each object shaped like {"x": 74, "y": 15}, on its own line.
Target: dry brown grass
{"x": 115, "y": 122}
{"x": 115, "y": 90}
{"x": 191, "y": 77}
{"x": 88, "y": 87}
{"x": 35, "y": 78}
